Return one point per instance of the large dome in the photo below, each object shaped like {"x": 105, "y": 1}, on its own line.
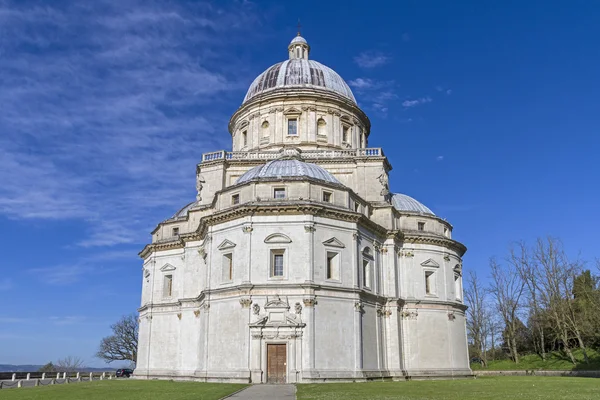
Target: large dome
{"x": 402, "y": 202}
{"x": 299, "y": 72}
{"x": 286, "y": 169}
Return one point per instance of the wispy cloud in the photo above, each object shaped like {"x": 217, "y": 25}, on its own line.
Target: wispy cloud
{"x": 362, "y": 83}
{"x": 416, "y": 102}
{"x": 106, "y": 107}
{"x": 89, "y": 265}
{"x": 439, "y": 158}
{"x": 371, "y": 59}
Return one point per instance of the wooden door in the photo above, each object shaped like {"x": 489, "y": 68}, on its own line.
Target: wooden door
{"x": 276, "y": 363}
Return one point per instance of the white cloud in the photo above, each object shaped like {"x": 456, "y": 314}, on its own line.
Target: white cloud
{"x": 362, "y": 83}
{"x": 439, "y": 158}
{"x": 107, "y": 107}
{"x": 371, "y": 59}
{"x": 416, "y": 102}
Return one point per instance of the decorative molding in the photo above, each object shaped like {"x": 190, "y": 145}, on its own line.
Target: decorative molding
{"x": 167, "y": 267}
{"x": 334, "y": 242}
{"x": 278, "y": 238}
{"x": 383, "y": 250}
{"x": 384, "y": 312}
{"x": 298, "y": 308}
{"x": 257, "y": 336}
{"x": 406, "y": 253}
{"x": 451, "y": 316}
{"x": 146, "y": 273}
{"x": 255, "y": 309}
{"x": 205, "y": 306}
{"x": 196, "y": 313}
{"x": 247, "y": 228}
{"x": 226, "y": 244}
{"x": 179, "y": 316}
{"x": 309, "y": 228}
{"x": 245, "y": 302}
{"x": 430, "y": 263}
{"x": 309, "y": 302}
{"x": 409, "y": 314}
{"x": 358, "y": 306}
{"x": 446, "y": 257}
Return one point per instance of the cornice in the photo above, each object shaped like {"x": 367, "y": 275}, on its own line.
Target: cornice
{"x": 460, "y": 248}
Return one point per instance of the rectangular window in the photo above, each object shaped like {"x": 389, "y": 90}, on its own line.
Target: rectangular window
{"x": 175, "y": 231}
{"x": 277, "y": 263}
{"x": 168, "y": 286}
{"x": 345, "y": 135}
{"x": 333, "y": 265}
{"x": 292, "y": 126}
{"x": 366, "y": 273}
{"x": 245, "y": 138}
{"x": 357, "y": 206}
{"x": 227, "y": 271}
{"x": 446, "y": 232}
{"x": 279, "y": 193}
{"x": 421, "y": 226}
{"x": 429, "y": 283}
{"x": 235, "y": 199}
{"x": 327, "y": 196}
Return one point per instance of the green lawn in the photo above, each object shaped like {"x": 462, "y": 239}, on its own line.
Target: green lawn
{"x": 124, "y": 390}
{"x": 504, "y": 388}
{"x": 555, "y": 361}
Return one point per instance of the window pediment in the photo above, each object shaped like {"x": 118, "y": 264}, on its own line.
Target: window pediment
{"x": 430, "y": 263}
{"x": 278, "y": 238}
{"x": 226, "y": 244}
{"x": 334, "y": 242}
{"x": 292, "y": 111}
{"x": 167, "y": 267}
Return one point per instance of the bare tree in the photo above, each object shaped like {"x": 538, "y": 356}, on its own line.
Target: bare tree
{"x": 507, "y": 288}
{"x": 556, "y": 277}
{"x": 122, "y": 344}
{"x": 478, "y": 318}
{"x": 69, "y": 364}
{"x": 527, "y": 269}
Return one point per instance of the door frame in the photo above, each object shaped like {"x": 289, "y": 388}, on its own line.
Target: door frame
{"x": 265, "y": 366}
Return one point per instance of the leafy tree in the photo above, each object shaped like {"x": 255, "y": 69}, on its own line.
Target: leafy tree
{"x": 122, "y": 344}
{"x": 48, "y": 368}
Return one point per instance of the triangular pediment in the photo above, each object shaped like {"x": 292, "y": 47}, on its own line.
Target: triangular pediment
{"x": 226, "y": 244}
{"x": 167, "y": 267}
{"x": 278, "y": 238}
{"x": 292, "y": 110}
{"x": 334, "y": 242}
{"x": 430, "y": 263}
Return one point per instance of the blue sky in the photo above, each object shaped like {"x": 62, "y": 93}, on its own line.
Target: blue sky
{"x": 488, "y": 113}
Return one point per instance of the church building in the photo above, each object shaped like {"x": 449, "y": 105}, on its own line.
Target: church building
{"x": 297, "y": 262}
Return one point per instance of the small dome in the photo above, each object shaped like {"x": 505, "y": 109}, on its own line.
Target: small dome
{"x": 288, "y": 168}
{"x": 402, "y": 202}
{"x": 183, "y": 212}
{"x": 298, "y": 39}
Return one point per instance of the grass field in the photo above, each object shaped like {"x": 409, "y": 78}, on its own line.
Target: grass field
{"x": 500, "y": 388}
{"x": 555, "y": 361}
{"x": 124, "y": 390}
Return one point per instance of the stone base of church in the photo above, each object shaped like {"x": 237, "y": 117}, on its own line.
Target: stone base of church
{"x": 314, "y": 376}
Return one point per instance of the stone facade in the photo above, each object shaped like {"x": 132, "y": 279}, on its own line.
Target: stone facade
{"x": 350, "y": 285}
